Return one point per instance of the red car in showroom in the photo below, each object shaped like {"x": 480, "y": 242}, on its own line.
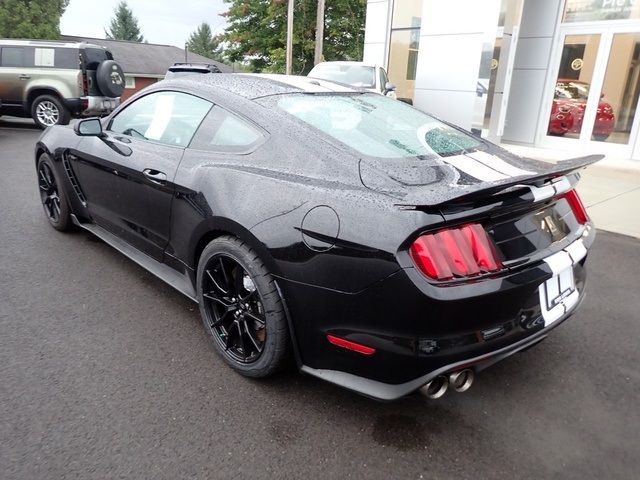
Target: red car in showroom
{"x": 567, "y": 111}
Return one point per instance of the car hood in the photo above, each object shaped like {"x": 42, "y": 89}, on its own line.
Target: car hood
{"x": 434, "y": 180}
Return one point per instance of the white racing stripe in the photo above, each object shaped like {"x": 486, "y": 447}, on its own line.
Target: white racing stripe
{"x": 558, "y": 262}
{"x": 562, "y": 186}
{"x": 496, "y": 163}
{"x": 561, "y": 265}
{"x": 474, "y": 168}
{"x": 577, "y": 251}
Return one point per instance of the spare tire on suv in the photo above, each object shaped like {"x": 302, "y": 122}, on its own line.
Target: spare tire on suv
{"x": 110, "y": 78}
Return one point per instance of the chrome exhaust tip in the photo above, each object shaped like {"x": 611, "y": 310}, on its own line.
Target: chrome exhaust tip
{"x": 436, "y": 388}
{"x": 461, "y": 381}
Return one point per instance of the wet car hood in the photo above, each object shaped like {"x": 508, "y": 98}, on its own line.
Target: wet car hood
{"x": 434, "y": 180}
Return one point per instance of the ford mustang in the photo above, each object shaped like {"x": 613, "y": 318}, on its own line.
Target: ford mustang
{"x": 381, "y": 249}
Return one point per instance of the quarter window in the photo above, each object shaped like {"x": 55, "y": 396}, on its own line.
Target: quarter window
{"x": 166, "y": 117}
{"x": 223, "y": 131}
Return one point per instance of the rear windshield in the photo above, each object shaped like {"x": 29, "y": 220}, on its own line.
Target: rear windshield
{"x": 94, "y": 56}
{"x": 356, "y": 75}
{"x": 377, "y": 126}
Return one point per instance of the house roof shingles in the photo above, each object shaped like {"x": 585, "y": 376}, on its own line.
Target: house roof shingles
{"x": 146, "y": 58}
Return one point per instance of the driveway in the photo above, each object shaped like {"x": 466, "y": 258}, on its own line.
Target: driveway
{"x": 105, "y": 372}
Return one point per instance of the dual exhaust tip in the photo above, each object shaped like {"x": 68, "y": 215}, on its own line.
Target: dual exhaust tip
{"x": 459, "y": 381}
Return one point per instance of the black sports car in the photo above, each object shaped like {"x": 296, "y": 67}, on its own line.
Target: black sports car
{"x": 384, "y": 250}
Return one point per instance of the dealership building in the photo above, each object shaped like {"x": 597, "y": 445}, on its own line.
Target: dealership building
{"x": 561, "y": 74}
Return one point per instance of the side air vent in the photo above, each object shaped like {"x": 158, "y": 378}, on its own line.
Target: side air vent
{"x": 72, "y": 177}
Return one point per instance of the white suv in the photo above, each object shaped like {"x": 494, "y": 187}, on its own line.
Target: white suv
{"x": 55, "y": 81}
{"x": 357, "y": 74}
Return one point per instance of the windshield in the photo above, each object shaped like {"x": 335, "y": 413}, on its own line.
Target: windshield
{"x": 378, "y": 126}
{"x": 356, "y": 75}
{"x": 572, "y": 90}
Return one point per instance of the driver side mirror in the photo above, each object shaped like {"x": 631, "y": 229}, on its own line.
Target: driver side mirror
{"x": 89, "y": 127}
{"x": 389, "y": 87}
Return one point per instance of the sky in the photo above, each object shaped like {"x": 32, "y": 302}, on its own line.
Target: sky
{"x": 168, "y": 22}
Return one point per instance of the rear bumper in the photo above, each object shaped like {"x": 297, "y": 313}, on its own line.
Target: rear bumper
{"x": 91, "y": 105}
{"x": 418, "y": 337}
{"x": 388, "y": 392}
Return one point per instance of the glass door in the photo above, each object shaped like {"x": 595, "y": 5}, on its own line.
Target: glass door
{"x": 616, "y": 111}
{"x": 594, "y": 97}
{"x": 572, "y": 87}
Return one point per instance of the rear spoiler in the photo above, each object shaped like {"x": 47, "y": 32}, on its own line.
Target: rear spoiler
{"x": 541, "y": 186}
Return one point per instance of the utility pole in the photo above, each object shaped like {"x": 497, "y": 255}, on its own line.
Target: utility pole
{"x": 319, "y": 32}
{"x": 186, "y": 51}
{"x": 290, "y": 37}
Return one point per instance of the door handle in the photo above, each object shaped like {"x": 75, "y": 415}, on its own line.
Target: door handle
{"x": 155, "y": 176}
{"x": 24, "y": 77}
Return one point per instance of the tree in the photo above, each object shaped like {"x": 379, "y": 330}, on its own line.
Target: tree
{"x": 37, "y": 19}
{"x": 124, "y": 26}
{"x": 202, "y": 42}
{"x": 256, "y": 33}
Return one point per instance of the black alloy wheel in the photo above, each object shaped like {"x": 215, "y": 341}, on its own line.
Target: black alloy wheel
{"x": 52, "y": 196}
{"x": 241, "y": 308}
{"x": 235, "y": 311}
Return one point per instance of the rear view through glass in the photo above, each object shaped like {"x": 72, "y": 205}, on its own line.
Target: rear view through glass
{"x": 378, "y": 126}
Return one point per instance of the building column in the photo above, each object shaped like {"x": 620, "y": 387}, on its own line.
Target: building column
{"x": 533, "y": 56}
{"x": 453, "y": 36}
{"x": 377, "y": 32}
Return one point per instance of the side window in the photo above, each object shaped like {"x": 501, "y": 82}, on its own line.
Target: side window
{"x": 223, "y": 131}
{"x": 67, "y": 58}
{"x": 12, "y": 57}
{"x": 166, "y": 117}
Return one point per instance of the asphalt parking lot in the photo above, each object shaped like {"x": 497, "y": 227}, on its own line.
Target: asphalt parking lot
{"x": 105, "y": 372}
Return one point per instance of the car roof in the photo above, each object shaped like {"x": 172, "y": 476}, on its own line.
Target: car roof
{"x": 252, "y": 86}
{"x": 47, "y": 43}
{"x": 343, "y": 62}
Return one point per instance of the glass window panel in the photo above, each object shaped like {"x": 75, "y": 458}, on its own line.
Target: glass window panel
{"x": 573, "y": 85}
{"x": 597, "y": 10}
{"x": 403, "y": 61}
{"x": 620, "y": 90}
{"x": 12, "y": 57}
{"x": 67, "y": 58}
{"x": 221, "y": 131}
{"x": 166, "y": 117}
{"x": 406, "y": 13}
{"x": 378, "y": 126}
{"x": 352, "y": 74}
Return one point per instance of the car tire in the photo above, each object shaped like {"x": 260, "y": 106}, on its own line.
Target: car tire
{"x": 48, "y": 110}
{"x": 110, "y": 79}
{"x": 600, "y": 138}
{"x": 53, "y": 197}
{"x": 229, "y": 264}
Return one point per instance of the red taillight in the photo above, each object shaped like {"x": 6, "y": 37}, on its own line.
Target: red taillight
{"x": 85, "y": 83}
{"x": 455, "y": 253}
{"x": 356, "y": 347}
{"x": 576, "y": 205}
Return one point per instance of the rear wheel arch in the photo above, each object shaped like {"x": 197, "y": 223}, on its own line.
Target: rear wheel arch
{"x": 218, "y": 227}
